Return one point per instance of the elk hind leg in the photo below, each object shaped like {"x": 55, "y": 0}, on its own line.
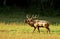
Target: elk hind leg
{"x": 38, "y": 29}
{"x": 34, "y": 29}
{"x": 48, "y": 30}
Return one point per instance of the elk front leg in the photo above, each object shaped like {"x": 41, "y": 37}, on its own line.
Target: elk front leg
{"x": 38, "y": 29}
{"x": 34, "y": 29}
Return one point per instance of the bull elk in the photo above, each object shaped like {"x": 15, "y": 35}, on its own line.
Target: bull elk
{"x": 37, "y": 23}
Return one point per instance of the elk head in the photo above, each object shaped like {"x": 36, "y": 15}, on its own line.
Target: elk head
{"x": 30, "y": 19}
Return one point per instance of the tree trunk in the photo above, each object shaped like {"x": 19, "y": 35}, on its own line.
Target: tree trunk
{"x": 51, "y": 3}
{"x": 42, "y": 5}
{"x": 4, "y": 2}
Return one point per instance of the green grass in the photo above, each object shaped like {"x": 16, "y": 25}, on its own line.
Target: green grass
{"x": 19, "y": 31}
{"x": 27, "y": 29}
{"x": 12, "y": 25}
{"x": 16, "y": 15}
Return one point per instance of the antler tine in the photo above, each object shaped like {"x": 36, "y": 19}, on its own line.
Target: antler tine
{"x": 35, "y": 16}
{"x": 32, "y": 16}
{"x": 27, "y": 16}
{"x": 38, "y": 16}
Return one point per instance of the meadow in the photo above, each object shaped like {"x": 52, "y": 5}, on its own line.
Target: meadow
{"x": 15, "y": 28}
{"x": 24, "y": 31}
{"x": 12, "y": 25}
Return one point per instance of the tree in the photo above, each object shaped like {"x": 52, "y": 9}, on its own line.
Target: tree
{"x": 4, "y": 2}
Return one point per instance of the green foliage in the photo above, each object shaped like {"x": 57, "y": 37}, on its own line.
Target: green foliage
{"x": 15, "y": 14}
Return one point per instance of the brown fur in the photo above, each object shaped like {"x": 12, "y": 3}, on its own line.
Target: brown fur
{"x": 37, "y": 24}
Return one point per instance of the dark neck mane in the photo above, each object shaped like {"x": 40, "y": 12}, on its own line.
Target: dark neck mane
{"x": 31, "y": 23}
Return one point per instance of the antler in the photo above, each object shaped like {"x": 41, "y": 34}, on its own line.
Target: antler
{"x": 27, "y": 16}
{"x": 35, "y": 16}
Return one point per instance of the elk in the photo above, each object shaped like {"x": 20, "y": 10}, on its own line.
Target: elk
{"x": 37, "y": 23}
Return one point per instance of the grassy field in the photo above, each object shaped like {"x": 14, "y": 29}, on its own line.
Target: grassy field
{"x": 24, "y": 31}
{"x": 12, "y": 26}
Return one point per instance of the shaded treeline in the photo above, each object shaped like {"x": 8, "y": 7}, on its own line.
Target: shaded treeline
{"x": 42, "y": 7}
{"x": 28, "y": 3}
{"x": 16, "y": 10}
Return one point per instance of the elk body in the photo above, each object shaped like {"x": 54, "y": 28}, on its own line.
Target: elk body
{"x": 37, "y": 24}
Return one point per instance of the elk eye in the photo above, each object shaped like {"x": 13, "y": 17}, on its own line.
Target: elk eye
{"x": 28, "y": 20}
